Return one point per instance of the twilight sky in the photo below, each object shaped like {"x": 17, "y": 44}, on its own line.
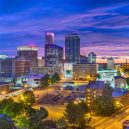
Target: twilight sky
{"x": 103, "y": 25}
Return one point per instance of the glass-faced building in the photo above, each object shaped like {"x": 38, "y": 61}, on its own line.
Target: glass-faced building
{"x": 53, "y": 55}
{"x": 72, "y": 48}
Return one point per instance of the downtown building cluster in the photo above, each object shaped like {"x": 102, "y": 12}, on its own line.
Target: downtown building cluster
{"x": 27, "y": 65}
{"x": 28, "y": 69}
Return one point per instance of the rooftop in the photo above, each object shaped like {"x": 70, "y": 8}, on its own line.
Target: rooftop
{"x": 96, "y": 84}
{"x": 81, "y": 88}
{"x": 4, "y": 83}
{"x": 35, "y": 76}
{"x": 119, "y": 93}
{"x": 118, "y": 77}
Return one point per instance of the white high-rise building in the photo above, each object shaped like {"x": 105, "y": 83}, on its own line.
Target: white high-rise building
{"x": 110, "y": 63}
{"x": 92, "y": 57}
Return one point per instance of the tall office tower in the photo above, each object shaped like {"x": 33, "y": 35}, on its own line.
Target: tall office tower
{"x": 28, "y": 53}
{"x": 72, "y": 48}
{"x": 110, "y": 63}
{"x": 92, "y": 57}
{"x": 49, "y": 38}
{"x": 53, "y": 55}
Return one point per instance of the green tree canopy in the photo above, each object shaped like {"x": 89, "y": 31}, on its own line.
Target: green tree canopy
{"x": 118, "y": 73}
{"x": 45, "y": 81}
{"x": 108, "y": 90}
{"x": 57, "y": 76}
{"x": 104, "y": 105}
{"x": 127, "y": 81}
{"x": 62, "y": 124}
{"x": 36, "y": 117}
{"x": 99, "y": 76}
{"x": 28, "y": 98}
{"x": 10, "y": 108}
{"x": 23, "y": 114}
{"x": 75, "y": 114}
{"x": 5, "y": 124}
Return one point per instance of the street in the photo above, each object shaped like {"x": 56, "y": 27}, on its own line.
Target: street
{"x": 55, "y": 111}
{"x": 112, "y": 122}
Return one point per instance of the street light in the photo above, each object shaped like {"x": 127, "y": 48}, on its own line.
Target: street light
{"x": 75, "y": 102}
{"x": 3, "y": 92}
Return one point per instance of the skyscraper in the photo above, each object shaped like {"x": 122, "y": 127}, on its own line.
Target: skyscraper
{"x": 49, "y": 38}
{"x": 53, "y": 55}
{"x": 92, "y": 57}
{"x": 28, "y": 53}
{"x": 53, "y": 52}
{"x": 72, "y": 48}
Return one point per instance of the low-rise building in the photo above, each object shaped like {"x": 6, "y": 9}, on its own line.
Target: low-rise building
{"x": 32, "y": 80}
{"x": 68, "y": 69}
{"x": 14, "y": 67}
{"x": 94, "y": 89}
{"x": 48, "y": 70}
{"x": 120, "y": 82}
{"x": 85, "y": 72}
{"x": 121, "y": 97}
{"x": 41, "y": 62}
{"x": 5, "y": 87}
{"x": 108, "y": 76}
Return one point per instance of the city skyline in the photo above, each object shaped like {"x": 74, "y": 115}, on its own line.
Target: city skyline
{"x": 103, "y": 26}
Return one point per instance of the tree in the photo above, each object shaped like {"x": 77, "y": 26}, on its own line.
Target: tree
{"x": 36, "y": 117}
{"x": 57, "y": 76}
{"x": 107, "y": 89}
{"x": 10, "y": 108}
{"x": 28, "y": 98}
{"x": 53, "y": 79}
{"x": 15, "y": 110}
{"x": 104, "y": 105}
{"x": 45, "y": 81}
{"x": 23, "y": 114}
{"x": 127, "y": 81}
{"x": 99, "y": 76}
{"x": 118, "y": 73}
{"x": 5, "y": 124}
{"x": 75, "y": 114}
{"x": 49, "y": 124}
{"x": 61, "y": 123}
